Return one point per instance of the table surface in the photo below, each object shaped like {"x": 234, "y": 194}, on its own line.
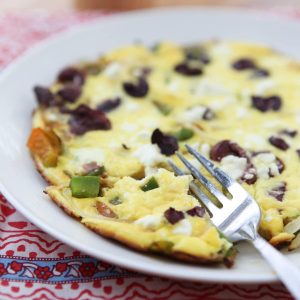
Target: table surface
{"x": 75, "y": 5}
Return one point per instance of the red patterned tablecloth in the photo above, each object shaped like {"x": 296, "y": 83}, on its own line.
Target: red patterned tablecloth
{"x": 34, "y": 265}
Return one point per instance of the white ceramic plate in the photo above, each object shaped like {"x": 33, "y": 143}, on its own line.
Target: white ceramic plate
{"x": 23, "y": 186}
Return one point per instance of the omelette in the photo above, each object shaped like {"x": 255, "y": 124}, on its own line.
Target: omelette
{"x": 104, "y": 130}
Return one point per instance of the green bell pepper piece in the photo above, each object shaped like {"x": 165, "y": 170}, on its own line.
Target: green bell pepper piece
{"x": 85, "y": 186}
{"x": 184, "y": 134}
{"x": 150, "y": 185}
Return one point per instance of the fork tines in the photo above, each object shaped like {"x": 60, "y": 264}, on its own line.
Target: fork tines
{"x": 226, "y": 181}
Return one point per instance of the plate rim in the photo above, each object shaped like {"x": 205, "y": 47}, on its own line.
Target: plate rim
{"x": 27, "y": 54}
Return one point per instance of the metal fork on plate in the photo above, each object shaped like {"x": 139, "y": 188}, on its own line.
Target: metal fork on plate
{"x": 238, "y": 218}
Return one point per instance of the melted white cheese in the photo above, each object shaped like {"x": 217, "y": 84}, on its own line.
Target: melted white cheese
{"x": 265, "y": 163}
{"x": 149, "y": 221}
{"x": 194, "y": 114}
{"x": 149, "y": 155}
{"x": 183, "y": 227}
{"x": 234, "y": 166}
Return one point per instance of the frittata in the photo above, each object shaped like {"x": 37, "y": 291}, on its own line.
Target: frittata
{"x": 104, "y": 130}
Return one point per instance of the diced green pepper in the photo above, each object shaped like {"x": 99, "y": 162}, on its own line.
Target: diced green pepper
{"x": 96, "y": 172}
{"x": 150, "y": 185}
{"x": 163, "y": 108}
{"x": 184, "y": 134}
{"x": 85, "y": 186}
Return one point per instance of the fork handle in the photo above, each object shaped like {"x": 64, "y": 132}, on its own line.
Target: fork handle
{"x": 288, "y": 273}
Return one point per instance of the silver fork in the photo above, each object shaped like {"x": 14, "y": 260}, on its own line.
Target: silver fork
{"x": 238, "y": 218}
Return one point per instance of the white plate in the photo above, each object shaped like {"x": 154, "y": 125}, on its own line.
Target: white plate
{"x": 23, "y": 186}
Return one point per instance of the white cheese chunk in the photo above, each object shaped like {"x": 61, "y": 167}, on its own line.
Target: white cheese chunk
{"x": 149, "y": 155}
{"x": 234, "y": 166}
{"x": 265, "y": 164}
{"x": 194, "y": 114}
{"x": 86, "y": 155}
{"x": 183, "y": 227}
{"x": 149, "y": 221}
{"x": 248, "y": 176}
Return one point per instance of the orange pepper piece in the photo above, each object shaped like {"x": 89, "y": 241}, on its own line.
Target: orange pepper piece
{"x": 46, "y": 145}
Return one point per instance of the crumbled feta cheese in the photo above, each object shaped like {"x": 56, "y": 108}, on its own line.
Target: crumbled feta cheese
{"x": 266, "y": 158}
{"x": 194, "y": 114}
{"x": 113, "y": 70}
{"x": 183, "y": 227}
{"x": 265, "y": 164}
{"x": 274, "y": 169}
{"x": 248, "y": 175}
{"x": 149, "y": 221}
{"x": 149, "y": 155}
{"x": 263, "y": 172}
{"x": 234, "y": 166}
